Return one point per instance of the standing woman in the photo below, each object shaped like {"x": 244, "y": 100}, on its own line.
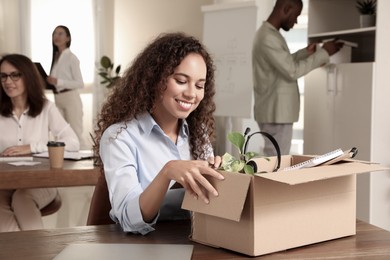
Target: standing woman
{"x": 66, "y": 76}
{"x": 27, "y": 119}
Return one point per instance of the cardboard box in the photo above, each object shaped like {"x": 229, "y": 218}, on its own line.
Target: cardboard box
{"x": 275, "y": 211}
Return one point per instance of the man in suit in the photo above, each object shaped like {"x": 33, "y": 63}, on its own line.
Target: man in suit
{"x": 276, "y": 70}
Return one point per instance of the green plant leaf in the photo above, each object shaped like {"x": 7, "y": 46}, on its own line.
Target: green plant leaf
{"x": 105, "y": 62}
{"x": 231, "y": 164}
{"x": 237, "y": 166}
{"x": 227, "y": 160}
{"x": 237, "y": 139}
{"x": 109, "y": 76}
{"x": 248, "y": 169}
{"x": 118, "y": 69}
{"x": 250, "y": 155}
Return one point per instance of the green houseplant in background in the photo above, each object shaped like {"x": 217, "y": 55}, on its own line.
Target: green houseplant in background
{"x": 367, "y": 11}
{"x": 107, "y": 72}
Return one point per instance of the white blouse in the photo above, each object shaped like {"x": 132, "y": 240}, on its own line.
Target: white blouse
{"x": 37, "y": 131}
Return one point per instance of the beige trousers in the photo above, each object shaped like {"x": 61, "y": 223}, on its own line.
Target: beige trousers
{"x": 282, "y": 134}
{"x": 70, "y": 106}
{"x": 20, "y": 209}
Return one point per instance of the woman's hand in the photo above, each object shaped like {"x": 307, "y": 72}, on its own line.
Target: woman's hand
{"x": 215, "y": 162}
{"x": 17, "y": 150}
{"x": 190, "y": 174}
{"x": 51, "y": 80}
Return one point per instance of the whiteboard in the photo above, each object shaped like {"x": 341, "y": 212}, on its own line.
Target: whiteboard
{"x": 228, "y": 34}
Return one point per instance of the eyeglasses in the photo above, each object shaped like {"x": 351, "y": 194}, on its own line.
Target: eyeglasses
{"x": 15, "y": 76}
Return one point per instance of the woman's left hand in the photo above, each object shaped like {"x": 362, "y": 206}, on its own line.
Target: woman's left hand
{"x": 51, "y": 80}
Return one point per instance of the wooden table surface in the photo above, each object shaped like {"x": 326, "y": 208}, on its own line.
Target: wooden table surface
{"x": 74, "y": 173}
{"x": 370, "y": 242}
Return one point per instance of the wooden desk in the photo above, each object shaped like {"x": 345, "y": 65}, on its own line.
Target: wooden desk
{"x": 74, "y": 173}
{"x": 370, "y": 242}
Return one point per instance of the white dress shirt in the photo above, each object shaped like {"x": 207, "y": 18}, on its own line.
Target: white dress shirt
{"x": 36, "y": 130}
{"x": 132, "y": 158}
{"x": 67, "y": 71}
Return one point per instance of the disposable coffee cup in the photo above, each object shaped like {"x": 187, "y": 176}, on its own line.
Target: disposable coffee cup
{"x": 56, "y": 154}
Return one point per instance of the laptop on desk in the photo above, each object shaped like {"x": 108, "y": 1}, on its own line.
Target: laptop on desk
{"x": 98, "y": 251}
{"x": 43, "y": 74}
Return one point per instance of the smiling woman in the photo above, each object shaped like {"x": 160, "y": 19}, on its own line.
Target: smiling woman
{"x": 160, "y": 111}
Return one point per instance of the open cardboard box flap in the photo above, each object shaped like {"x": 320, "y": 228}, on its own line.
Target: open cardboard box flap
{"x": 321, "y": 172}
{"x": 230, "y": 202}
{"x": 233, "y": 190}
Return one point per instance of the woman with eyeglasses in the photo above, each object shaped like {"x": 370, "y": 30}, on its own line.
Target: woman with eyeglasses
{"x": 27, "y": 120}
{"x": 65, "y": 76}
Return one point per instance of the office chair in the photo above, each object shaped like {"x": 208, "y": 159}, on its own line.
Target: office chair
{"x": 52, "y": 207}
{"x": 100, "y": 204}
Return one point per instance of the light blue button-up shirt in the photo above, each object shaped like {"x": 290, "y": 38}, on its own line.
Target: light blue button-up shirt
{"x": 132, "y": 158}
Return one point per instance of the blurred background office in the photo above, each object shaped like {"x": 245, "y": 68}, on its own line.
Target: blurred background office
{"x": 120, "y": 28}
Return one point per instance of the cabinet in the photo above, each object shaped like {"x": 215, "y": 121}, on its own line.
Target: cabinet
{"x": 347, "y": 104}
{"x": 338, "y": 102}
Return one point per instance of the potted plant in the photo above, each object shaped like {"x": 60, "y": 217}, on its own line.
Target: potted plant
{"x": 244, "y": 163}
{"x": 107, "y": 72}
{"x": 367, "y": 10}
{"x": 240, "y": 165}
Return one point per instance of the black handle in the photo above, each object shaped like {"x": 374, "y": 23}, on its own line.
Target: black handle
{"x": 273, "y": 141}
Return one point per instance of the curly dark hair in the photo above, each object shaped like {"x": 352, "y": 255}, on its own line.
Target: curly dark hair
{"x": 138, "y": 89}
{"x": 33, "y": 83}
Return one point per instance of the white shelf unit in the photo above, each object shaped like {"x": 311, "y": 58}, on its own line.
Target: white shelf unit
{"x": 346, "y": 104}
{"x": 340, "y": 19}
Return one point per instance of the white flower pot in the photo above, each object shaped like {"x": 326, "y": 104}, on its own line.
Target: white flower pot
{"x": 367, "y": 20}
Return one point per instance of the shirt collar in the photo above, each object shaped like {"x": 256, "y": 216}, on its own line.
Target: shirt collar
{"x": 147, "y": 123}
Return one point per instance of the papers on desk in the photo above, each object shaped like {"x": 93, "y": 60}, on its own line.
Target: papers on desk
{"x": 19, "y": 160}
{"x": 98, "y": 251}
{"x": 24, "y": 163}
{"x": 80, "y": 155}
{"x": 15, "y": 158}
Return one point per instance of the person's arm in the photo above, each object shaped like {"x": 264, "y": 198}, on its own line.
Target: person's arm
{"x": 288, "y": 65}
{"x": 119, "y": 156}
{"x": 331, "y": 47}
{"x": 135, "y": 204}
{"x": 190, "y": 174}
{"x": 61, "y": 130}
{"x": 16, "y": 150}
{"x": 69, "y": 73}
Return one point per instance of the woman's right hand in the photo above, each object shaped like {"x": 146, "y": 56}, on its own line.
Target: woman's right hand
{"x": 190, "y": 174}
{"x": 17, "y": 150}
{"x": 51, "y": 80}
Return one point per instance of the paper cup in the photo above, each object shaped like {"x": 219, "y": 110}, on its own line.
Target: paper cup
{"x": 56, "y": 154}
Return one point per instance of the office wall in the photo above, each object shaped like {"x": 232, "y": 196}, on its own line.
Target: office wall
{"x": 9, "y": 18}
{"x": 137, "y": 22}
